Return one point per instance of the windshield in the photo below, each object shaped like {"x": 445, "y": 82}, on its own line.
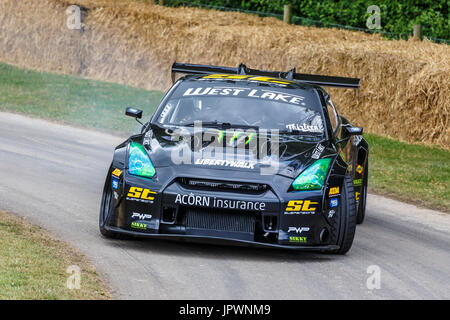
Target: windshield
{"x": 261, "y": 107}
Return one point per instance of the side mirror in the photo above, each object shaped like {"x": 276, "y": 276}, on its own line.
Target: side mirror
{"x": 354, "y": 131}
{"x": 135, "y": 113}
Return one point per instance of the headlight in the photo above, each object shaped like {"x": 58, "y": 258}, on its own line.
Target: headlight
{"x": 139, "y": 163}
{"x": 313, "y": 177}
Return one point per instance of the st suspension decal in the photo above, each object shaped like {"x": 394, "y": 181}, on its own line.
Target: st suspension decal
{"x": 141, "y": 194}
{"x": 301, "y": 207}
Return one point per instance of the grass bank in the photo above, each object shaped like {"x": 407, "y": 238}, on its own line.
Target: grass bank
{"x": 411, "y": 172}
{"x": 33, "y": 265}
{"x": 72, "y": 100}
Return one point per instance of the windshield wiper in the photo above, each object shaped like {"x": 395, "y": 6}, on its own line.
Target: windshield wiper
{"x": 218, "y": 124}
{"x": 202, "y": 123}
{"x": 285, "y": 135}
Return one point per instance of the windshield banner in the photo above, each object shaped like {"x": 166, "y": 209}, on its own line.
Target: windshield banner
{"x": 264, "y": 94}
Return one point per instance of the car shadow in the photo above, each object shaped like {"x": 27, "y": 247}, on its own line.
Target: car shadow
{"x": 183, "y": 248}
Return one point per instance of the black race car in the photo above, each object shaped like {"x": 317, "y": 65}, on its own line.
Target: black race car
{"x": 241, "y": 156}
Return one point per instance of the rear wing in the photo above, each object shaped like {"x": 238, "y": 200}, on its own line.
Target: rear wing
{"x": 326, "y": 81}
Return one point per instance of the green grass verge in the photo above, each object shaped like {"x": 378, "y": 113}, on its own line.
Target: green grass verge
{"x": 411, "y": 172}
{"x": 72, "y": 99}
{"x": 33, "y": 265}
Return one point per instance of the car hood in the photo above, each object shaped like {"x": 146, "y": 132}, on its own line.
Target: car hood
{"x": 214, "y": 149}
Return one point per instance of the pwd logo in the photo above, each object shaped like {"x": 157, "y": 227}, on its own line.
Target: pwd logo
{"x": 141, "y": 216}
{"x": 298, "y": 229}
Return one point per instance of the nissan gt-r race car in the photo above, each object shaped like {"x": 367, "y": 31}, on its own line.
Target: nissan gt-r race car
{"x": 241, "y": 156}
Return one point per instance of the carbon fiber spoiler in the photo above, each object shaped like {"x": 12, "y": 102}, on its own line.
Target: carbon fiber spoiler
{"x": 326, "y": 81}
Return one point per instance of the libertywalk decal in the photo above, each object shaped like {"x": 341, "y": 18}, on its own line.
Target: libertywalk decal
{"x": 226, "y": 163}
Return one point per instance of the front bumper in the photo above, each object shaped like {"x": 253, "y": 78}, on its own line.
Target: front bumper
{"x": 176, "y": 211}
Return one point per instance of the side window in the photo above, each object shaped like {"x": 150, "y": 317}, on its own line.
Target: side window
{"x": 333, "y": 116}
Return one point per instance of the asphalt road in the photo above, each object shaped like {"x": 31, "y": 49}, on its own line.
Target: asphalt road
{"x": 53, "y": 175}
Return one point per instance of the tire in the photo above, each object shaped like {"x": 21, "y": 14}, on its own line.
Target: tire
{"x": 363, "y": 196}
{"x": 106, "y": 210}
{"x": 344, "y": 226}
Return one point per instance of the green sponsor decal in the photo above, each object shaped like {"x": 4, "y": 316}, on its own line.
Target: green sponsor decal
{"x": 297, "y": 239}
{"x": 139, "y": 225}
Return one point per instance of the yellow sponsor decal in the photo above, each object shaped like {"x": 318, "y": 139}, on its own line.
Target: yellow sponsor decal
{"x": 247, "y": 77}
{"x": 357, "y": 195}
{"x": 297, "y": 239}
{"x": 305, "y": 206}
{"x": 139, "y": 225}
{"x": 359, "y": 169}
{"x": 333, "y": 191}
{"x": 141, "y": 193}
{"x": 226, "y": 76}
{"x": 117, "y": 172}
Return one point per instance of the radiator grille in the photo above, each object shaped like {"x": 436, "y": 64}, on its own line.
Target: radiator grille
{"x": 220, "y": 220}
{"x": 223, "y": 185}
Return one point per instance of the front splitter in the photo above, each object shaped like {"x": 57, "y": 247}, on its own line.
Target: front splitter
{"x": 223, "y": 241}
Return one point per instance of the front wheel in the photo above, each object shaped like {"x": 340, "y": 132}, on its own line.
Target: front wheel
{"x": 107, "y": 210}
{"x": 344, "y": 223}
